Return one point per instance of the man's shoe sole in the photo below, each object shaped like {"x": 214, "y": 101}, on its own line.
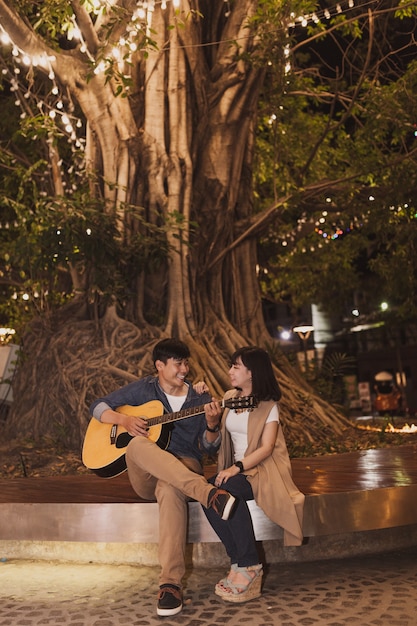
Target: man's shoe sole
{"x": 167, "y": 612}
{"x": 228, "y": 509}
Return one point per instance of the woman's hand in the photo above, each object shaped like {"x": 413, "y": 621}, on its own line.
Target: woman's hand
{"x": 200, "y": 387}
{"x": 223, "y": 476}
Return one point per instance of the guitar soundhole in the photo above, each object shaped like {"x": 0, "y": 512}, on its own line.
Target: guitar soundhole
{"x": 122, "y": 440}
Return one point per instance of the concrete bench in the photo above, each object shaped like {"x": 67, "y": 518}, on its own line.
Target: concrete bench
{"x": 355, "y": 503}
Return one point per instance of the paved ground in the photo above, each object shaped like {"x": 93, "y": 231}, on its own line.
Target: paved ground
{"x": 373, "y": 591}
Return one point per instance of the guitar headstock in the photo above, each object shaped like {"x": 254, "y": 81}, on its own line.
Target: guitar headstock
{"x": 247, "y": 402}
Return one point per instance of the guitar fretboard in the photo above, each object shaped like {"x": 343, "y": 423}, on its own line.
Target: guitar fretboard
{"x": 248, "y": 402}
{"x": 178, "y": 415}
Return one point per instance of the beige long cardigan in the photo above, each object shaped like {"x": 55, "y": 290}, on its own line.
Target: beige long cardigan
{"x": 271, "y": 480}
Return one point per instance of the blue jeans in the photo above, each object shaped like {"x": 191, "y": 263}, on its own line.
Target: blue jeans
{"x": 236, "y": 533}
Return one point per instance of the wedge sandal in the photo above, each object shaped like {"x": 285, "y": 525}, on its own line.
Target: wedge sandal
{"x": 241, "y": 592}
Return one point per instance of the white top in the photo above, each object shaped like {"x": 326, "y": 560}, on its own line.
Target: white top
{"x": 175, "y": 402}
{"x": 237, "y": 426}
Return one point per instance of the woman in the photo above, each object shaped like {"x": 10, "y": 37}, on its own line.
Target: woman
{"x": 253, "y": 463}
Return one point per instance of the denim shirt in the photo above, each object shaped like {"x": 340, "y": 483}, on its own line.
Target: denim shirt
{"x": 187, "y": 435}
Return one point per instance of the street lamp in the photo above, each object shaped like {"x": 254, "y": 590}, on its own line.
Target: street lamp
{"x": 304, "y": 331}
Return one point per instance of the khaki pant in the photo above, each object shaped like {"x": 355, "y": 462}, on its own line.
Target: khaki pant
{"x": 157, "y": 474}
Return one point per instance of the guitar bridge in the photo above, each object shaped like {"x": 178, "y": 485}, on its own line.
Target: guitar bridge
{"x": 113, "y": 434}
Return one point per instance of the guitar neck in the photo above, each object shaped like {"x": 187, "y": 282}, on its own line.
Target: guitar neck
{"x": 232, "y": 403}
{"x": 178, "y": 415}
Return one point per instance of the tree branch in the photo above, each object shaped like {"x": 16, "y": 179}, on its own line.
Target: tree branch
{"x": 86, "y": 26}
{"x": 260, "y": 221}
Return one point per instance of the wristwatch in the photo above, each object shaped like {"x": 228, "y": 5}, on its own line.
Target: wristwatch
{"x": 213, "y": 430}
{"x": 239, "y": 464}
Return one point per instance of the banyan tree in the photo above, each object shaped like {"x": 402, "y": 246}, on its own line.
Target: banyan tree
{"x": 159, "y": 101}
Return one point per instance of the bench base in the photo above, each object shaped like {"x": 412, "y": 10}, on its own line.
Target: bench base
{"x": 213, "y": 554}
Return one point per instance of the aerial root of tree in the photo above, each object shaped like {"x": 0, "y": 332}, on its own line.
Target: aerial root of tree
{"x": 63, "y": 369}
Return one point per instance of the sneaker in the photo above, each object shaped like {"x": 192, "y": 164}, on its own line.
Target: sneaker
{"x": 222, "y": 502}
{"x": 169, "y": 600}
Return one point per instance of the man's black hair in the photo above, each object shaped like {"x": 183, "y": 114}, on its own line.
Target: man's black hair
{"x": 170, "y": 349}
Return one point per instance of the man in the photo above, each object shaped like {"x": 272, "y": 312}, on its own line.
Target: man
{"x": 172, "y": 475}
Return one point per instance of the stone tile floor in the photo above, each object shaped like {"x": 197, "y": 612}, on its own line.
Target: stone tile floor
{"x": 377, "y": 590}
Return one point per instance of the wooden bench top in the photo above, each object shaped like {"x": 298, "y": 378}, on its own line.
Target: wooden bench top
{"x": 328, "y": 474}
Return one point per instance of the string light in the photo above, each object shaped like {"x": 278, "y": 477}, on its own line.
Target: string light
{"x": 328, "y": 233}
{"x": 144, "y": 12}
{"x": 140, "y": 22}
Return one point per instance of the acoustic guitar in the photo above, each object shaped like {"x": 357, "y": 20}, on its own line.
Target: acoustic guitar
{"x": 105, "y": 445}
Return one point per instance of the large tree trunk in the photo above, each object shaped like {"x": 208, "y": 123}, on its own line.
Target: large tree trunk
{"x": 180, "y": 146}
